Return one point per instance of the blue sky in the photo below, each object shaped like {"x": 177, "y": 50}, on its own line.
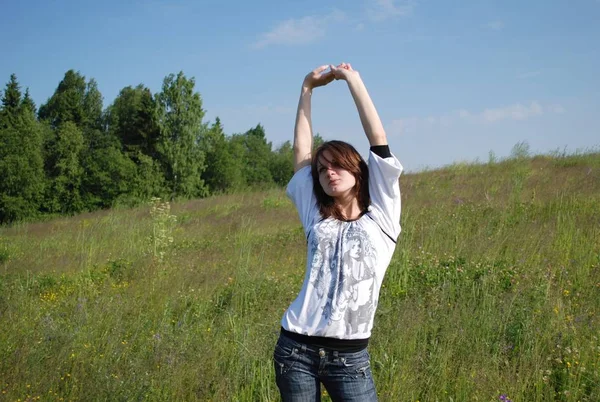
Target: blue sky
{"x": 451, "y": 80}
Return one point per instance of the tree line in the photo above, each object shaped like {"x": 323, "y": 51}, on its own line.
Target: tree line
{"x": 71, "y": 155}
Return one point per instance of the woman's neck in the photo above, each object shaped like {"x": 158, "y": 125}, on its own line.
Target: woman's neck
{"x": 349, "y": 207}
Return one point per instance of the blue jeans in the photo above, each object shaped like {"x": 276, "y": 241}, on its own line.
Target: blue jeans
{"x": 301, "y": 368}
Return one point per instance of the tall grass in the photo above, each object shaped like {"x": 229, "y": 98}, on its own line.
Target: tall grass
{"x": 494, "y": 290}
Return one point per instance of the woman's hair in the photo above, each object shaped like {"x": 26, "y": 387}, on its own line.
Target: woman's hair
{"x": 345, "y": 156}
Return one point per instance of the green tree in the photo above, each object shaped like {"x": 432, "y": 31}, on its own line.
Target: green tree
{"x": 108, "y": 172}
{"x": 131, "y": 118}
{"x": 28, "y": 103}
{"x": 282, "y": 164}
{"x": 11, "y": 102}
{"x": 21, "y": 163}
{"x": 66, "y": 122}
{"x": 105, "y": 172}
{"x": 179, "y": 146}
{"x": 67, "y": 102}
{"x": 257, "y": 156}
{"x": 65, "y": 170}
{"x": 147, "y": 182}
{"x": 282, "y": 161}
{"x": 92, "y": 106}
{"x": 224, "y": 168}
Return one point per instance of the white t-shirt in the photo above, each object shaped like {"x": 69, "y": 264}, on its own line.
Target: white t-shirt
{"x": 346, "y": 260}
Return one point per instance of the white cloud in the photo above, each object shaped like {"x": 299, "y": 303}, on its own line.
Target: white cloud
{"x": 379, "y": 10}
{"x": 299, "y": 31}
{"x": 306, "y": 30}
{"x": 514, "y": 112}
{"x": 464, "y": 114}
{"x": 495, "y": 25}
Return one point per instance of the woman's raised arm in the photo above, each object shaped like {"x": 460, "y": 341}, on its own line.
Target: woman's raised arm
{"x": 366, "y": 109}
{"x": 303, "y": 135}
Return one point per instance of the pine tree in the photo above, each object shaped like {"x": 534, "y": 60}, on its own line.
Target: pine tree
{"x": 28, "y": 103}
{"x": 11, "y": 103}
{"x": 21, "y": 163}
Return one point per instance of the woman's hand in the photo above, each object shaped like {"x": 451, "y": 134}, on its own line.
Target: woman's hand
{"x": 318, "y": 78}
{"x": 343, "y": 71}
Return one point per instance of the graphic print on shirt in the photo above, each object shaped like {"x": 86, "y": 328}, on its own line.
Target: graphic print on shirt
{"x": 343, "y": 273}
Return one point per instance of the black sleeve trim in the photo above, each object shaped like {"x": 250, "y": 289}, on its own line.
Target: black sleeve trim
{"x": 384, "y": 232}
{"x": 383, "y": 151}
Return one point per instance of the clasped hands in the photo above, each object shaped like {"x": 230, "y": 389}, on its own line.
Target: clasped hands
{"x": 319, "y": 76}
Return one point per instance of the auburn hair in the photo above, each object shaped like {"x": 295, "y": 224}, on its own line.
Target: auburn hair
{"x": 346, "y": 157}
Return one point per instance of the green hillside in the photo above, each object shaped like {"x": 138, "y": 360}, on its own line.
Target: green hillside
{"x": 494, "y": 290}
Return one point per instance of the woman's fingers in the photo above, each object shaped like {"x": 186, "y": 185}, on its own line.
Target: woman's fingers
{"x": 320, "y": 69}
{"x": 343, "y": 71}
{"x": 319, "y": 76}
{"x": 338, "y": 71}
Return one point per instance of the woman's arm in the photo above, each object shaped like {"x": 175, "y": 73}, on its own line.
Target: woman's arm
{"x": 366, "y": 109}
{"x": 303, "y": 128}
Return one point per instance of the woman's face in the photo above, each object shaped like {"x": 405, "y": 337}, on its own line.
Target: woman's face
{"x": 335, "y": 181}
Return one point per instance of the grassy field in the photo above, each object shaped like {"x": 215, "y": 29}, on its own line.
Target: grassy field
{"x": 494, "y": 291}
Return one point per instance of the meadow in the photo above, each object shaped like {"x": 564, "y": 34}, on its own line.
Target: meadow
{"x": 493, "y": 293}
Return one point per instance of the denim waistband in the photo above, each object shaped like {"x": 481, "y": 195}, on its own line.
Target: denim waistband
{"x": 314, "y": 343}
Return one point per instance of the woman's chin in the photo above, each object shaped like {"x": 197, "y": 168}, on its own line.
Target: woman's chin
{"x": 336, "y": 192}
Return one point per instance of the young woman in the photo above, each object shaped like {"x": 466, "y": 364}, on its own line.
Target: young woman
{"x": 351, "y": 218}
